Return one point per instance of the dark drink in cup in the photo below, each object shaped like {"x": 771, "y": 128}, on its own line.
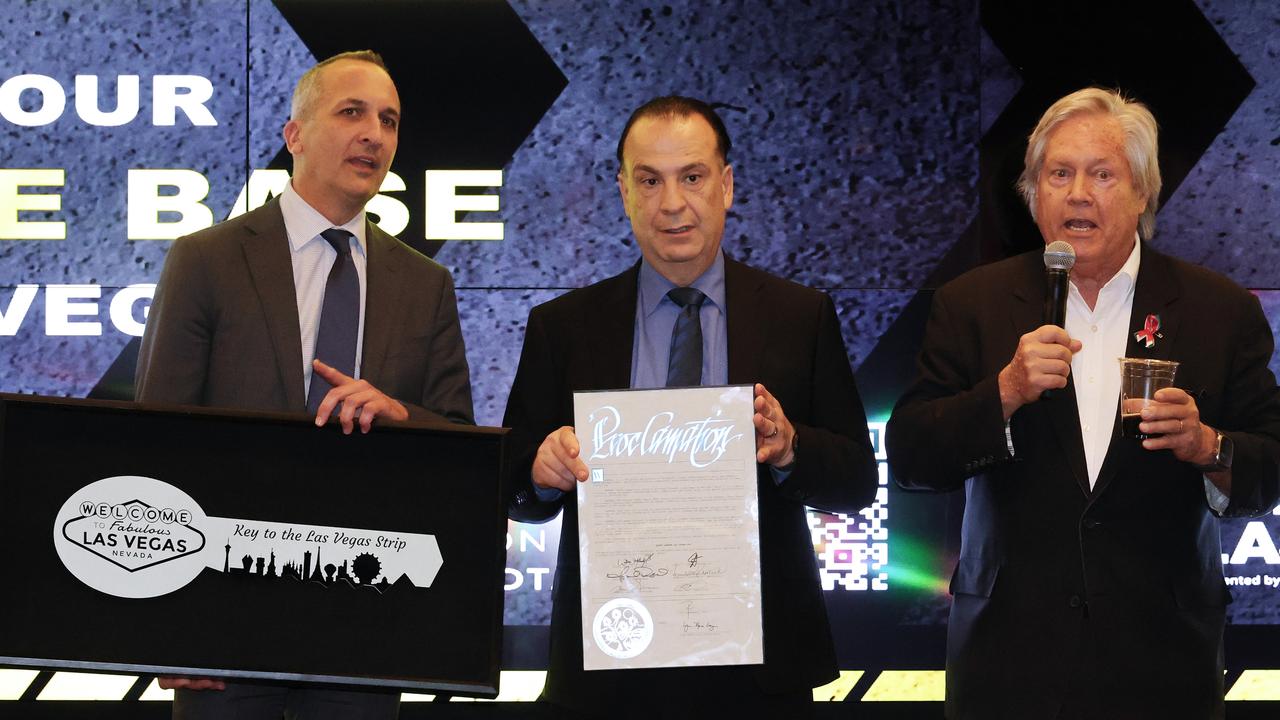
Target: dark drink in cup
{"x": 1129, "y": 428}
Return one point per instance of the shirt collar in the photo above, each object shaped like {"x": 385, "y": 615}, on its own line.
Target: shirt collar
{"x": 1126, "y": 278}
{"x": 654, "y": 287}
{"x": 304, "y": 223}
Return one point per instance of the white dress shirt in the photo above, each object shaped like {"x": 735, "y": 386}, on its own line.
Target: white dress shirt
{"x": 1103, "y": 333}
{"x": 313, "y": 258}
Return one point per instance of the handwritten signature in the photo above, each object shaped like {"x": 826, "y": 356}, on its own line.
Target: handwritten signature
{"x": 635, "y": 571}
{"x": 692, "y": 626}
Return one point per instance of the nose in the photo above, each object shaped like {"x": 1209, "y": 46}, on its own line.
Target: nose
{"x": 1078, "y": 191}
{"x": 672, "y": 200}
{"x": 371, "y": 131}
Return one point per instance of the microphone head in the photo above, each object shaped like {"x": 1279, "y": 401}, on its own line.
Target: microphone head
{"x": 1060, "y": 256}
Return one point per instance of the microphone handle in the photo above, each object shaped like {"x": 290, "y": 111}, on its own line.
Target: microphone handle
{"x": 1055, "y": 302}
{"x": 1055, "y": 305}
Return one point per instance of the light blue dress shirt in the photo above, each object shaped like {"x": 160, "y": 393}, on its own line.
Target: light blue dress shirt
{"x": 651, "y": 348}
{"x": 313, "y": 258}
{"x": 656, "y": 317}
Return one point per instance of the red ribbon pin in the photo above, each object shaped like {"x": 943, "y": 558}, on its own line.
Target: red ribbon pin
{"x": 1149, "y": 330}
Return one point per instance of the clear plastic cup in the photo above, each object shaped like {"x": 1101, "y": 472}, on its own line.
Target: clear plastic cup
{"x": 1139, "y": 381}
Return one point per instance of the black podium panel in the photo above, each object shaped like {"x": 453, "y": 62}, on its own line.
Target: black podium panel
{"x": 284, "y": 609}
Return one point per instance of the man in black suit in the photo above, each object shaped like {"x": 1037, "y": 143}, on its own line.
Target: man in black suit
{"x": 1090, "y": 583}
{"x": 811, "y": 431}
{"x": 242, "y": 311}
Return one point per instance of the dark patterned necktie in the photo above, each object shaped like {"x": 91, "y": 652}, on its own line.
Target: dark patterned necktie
{"x": 339, "y": 318}
{"x": 684, "y": 365}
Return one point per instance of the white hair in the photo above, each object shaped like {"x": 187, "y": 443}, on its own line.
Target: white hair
{"x": 1140, "y": 145}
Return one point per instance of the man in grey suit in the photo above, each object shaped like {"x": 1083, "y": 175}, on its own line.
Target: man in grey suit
{"x": 244, "y": 317}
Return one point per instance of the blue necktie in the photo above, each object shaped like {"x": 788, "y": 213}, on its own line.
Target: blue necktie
{"x": 339, "y": 318}
{"x": 684, "y": 364}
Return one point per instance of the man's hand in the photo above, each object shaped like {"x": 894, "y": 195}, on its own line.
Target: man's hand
{"x": 1041, "y": 362}
{"x": 774, "y": 433}
{"x": 190, "y": 683}
{"x": 557, "y": 464}
{"x": 1175, "y": 415}
{"x": 359, "y": 399}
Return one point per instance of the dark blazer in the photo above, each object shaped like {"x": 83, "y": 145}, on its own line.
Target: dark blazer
{"x": 1124, "y": 580}
{"x": 780, "y": 334}
{"x": 223, "y": 327}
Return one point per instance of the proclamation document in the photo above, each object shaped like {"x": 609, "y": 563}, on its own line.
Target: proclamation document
{"x": 668, "y": 528}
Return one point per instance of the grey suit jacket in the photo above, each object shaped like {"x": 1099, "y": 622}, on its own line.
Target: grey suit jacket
{"x": 223, "y": 327}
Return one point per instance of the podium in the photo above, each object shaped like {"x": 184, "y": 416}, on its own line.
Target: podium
{"x": 249, "y": 545}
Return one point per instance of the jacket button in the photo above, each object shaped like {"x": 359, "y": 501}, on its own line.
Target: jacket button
{"x": 1075, "y": 601}
{"x": 1090, "y": 523}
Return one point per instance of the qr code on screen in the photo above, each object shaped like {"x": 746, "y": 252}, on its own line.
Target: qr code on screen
{"x": 853, "y": 550}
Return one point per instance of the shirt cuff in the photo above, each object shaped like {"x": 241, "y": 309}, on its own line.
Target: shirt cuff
{"x": 780, "y": 476}
{"x": 546, "y": 494}
{"x": 1218, "y": 501}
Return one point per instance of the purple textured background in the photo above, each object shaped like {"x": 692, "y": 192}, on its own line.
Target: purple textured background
{"x": 855, "y": 128}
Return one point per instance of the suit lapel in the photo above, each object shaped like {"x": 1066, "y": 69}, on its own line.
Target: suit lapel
{"x": 1027, "y": 314}
{"x": 1155, "y": 294}
{"x": 266, "y": 251}
{"x": 610, "y": 329}
{"x": 745, "y": 313}
{"x": 382, "y": 299}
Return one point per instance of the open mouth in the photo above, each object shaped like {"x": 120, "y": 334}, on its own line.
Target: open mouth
{"x": 364, "y": 161}
{"x": 1080, "y": 225}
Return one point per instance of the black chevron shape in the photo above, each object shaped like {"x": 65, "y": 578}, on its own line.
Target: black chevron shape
{"x": 473, "y": 81}
{"x": 1162, "y": 52}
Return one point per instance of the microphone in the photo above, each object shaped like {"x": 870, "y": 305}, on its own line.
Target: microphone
{"x": 1059, "y": 258}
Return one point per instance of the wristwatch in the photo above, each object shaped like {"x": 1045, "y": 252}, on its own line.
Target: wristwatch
{"x": 1223, "y": 450}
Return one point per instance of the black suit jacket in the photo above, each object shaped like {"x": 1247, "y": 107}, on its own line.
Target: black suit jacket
{"x": 1126, "y": 578}
{"x": 223, "y": 328}
{"x": 780, "y": 334}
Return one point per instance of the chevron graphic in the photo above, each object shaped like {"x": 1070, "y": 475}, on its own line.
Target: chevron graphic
{"x": 1163, "y": 53}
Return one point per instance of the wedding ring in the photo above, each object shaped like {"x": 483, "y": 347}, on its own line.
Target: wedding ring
{"x": 772, "y": 434}
{"x": 1179, "y": 426}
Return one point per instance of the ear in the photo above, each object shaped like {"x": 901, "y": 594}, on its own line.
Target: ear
{"x": 625, "y": 192}
{"x": 726, "y": 182}
{"x": 293, "y": 136}
{"x": 1142, "y": 204}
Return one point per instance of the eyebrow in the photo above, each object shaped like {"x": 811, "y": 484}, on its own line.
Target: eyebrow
{"x": 686, "y": 168}
{"x": 1051, "y": 160}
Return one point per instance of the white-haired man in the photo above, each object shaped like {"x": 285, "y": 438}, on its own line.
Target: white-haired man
{"x": 1089, "y": 583}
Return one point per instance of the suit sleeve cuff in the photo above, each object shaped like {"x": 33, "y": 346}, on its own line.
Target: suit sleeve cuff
{"x": 1218, "y": 501}
{"x": 547, "y": 494}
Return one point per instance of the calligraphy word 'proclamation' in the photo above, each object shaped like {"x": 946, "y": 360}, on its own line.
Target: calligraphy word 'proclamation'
{"x": 703, "y": 441}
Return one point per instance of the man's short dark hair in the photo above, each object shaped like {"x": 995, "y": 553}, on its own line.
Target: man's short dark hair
{"x": 308, "y": 87}
{"x": 679, "y": 106}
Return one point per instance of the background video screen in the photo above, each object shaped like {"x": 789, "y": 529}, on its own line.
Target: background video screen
{"x": 874, "y": 149}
